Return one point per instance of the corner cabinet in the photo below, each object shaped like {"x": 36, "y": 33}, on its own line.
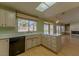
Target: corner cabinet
{"x": 7, "y": 18}
{"x": 4, "y": 47}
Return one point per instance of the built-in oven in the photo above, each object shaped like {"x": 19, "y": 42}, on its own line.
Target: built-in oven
{"x": 74, "y": 32}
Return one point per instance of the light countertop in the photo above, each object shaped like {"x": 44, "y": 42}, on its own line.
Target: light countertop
{"x": 3, "y": 36}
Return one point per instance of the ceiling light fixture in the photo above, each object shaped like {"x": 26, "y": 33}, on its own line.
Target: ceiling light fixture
{"x": 44, "y": 6}
{"x": 57, "y": 21}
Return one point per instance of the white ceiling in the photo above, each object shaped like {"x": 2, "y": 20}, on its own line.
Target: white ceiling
{"x": 71, "y": 16}
{"x": 29, "y": 7}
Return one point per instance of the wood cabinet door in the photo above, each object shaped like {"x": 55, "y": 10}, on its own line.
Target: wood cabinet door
{"x": 4, "y": 47}
{"x": 44, "y": 40}
{"x": 49, "y": 42}
{"x": 10, "y": 18}
{"x": 2, "y": 18}
{"x": 38, "y": 41}
{"x": 28, "y": 44}
{"x": 34, "y": 42}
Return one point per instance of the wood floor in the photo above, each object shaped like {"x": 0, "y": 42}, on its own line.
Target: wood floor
{"x": 69, "y": 49}
{"x": 38, "y": 51}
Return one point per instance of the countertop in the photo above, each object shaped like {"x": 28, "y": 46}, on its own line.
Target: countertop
{"x": 3, "y": 36}
{"x": 53, "y": 35}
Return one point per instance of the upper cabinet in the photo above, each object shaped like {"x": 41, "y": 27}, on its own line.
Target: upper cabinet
{"x": 7, "y": 18}
{"x": 2, "y": 18}
{"x": 10, "y": 18}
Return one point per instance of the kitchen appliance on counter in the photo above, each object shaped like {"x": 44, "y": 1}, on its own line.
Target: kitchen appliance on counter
{"x": 16, "y": 45}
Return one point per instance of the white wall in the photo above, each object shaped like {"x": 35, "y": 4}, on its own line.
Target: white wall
{"x": 71, "y": 16}
{"x": 74, "y": 27}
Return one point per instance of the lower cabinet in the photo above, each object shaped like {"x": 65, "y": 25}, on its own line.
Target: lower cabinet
{"x": 38, "y": 41}
{"x": 4, "y": 47}
{"x": 28, "y": 44}
{"x": 35, "y": 41}
{"x": 44, "y": 40}
{"x": 32, "y": 41}
{"x": 52, "y": 42}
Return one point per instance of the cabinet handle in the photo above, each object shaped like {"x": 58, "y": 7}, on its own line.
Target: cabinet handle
{"x": 3, "y": 25}
{"x": 6, "y": 40}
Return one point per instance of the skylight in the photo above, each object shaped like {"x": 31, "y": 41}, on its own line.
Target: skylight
{"x": 50, "y": 3}
{"x": 44, "y": 6}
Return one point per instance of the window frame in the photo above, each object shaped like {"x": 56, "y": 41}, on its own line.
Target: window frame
{"x": 49, "y": 27}
{"x": 28, "y": 24}
{"x": 33, "y": 26}
{"x": 18, "y": 26}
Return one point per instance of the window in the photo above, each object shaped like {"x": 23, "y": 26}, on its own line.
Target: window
{"x": 22, "y": 25}
{"x": 32, "y": 25}
{"x": 35, "y": 26}
{"x": 63, "y": 28}
{"x": 58, "y": 29}
{"x": 46, "y": 29}
{"x": 26, "y": 25}
{"x": 51, "y": 29}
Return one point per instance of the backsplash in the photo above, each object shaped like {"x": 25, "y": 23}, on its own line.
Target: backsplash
{"x": 7, "y": 30}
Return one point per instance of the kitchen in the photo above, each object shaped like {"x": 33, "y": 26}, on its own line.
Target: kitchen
{"x": 33, "y": 36}
{"x": 20, "y": 32}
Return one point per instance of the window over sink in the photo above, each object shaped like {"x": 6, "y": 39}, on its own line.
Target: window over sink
{"x": 26, "y": 25}
{"x": 32, "y": 25}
